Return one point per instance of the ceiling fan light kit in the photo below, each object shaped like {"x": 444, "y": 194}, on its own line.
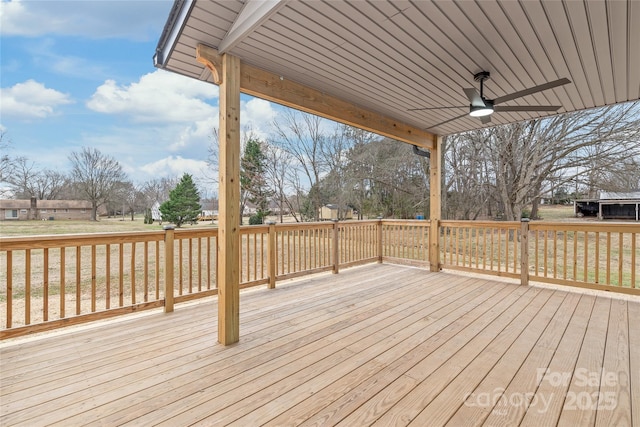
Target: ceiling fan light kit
{"x": 480, "y": 111}
{"x": 483, "y": 108}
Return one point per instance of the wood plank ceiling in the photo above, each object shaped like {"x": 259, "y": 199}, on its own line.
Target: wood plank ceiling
{"x": 393, "y": 56}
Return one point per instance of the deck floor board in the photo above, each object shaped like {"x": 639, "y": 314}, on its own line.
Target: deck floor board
{"x": 378, "y": 344}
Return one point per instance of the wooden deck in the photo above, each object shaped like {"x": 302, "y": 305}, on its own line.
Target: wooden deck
{"x": 379, "y": 344}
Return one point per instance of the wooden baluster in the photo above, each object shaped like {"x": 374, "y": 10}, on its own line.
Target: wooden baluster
{"x": 168, "y": 267}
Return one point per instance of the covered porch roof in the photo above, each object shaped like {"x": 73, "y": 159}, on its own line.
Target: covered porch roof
{"x": 390, "y": 57}
{"x": 402, "y": 69}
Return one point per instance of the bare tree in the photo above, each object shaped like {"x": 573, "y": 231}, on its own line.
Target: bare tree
{"x": 302, "y": 136}
{"x": 157, "y": 190}
{"x": 277, "y": 166}
{"x": 6, "y": 163}
{"x": 96, "y": 176}
{"x": 28, "y": 181}
{"x": 525, "y": 160}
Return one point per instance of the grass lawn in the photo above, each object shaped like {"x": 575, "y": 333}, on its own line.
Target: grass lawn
{"x": 557, "y": 213}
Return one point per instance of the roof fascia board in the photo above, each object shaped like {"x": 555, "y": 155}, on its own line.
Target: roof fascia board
{"x": 173, "y": 28}
{"x": 253, "y": 14}
{"x": 266, "y": 85}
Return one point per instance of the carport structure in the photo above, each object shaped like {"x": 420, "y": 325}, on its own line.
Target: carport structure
{"x": 396, "y": 68}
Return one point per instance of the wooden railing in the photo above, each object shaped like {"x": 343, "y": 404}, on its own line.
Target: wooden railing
{"x": 405, "y": 242}
{"x": 51, "y": 281}
{"x": 594, "y": 255}
{"x": 490, "y": 247}
{"x": 603, "y": 256}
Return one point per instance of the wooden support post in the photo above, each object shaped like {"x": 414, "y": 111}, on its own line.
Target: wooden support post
{"x": 524, "y": 251}
{"x": 380, "y": 240}
{"x": 271, "y": 255}
{"x": 435, "y": 163}
{"x": 168, "y": 268}
{"x": 336, "y": 247}
{"x": 229, "y": 193}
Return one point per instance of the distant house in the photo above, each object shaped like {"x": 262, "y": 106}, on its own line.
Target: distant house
{"x": 331, "y": 212}
{"x": 611, "y": 205}
{"x": 16, "y": 210}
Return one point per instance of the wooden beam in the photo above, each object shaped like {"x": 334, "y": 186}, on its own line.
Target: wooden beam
{"x": 435, "y": 194}
{"x": 263, "y": 84}
{"x": 229, "y": 203}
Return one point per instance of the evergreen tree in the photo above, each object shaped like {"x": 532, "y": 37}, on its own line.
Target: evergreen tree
{"x": 253, "y": 179}
{"x": 183, "y": 205}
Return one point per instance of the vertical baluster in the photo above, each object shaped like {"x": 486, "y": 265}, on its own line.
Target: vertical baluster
{"x": 597, "y": 255}
{"x": 633, "y": 259}
{"x": 564, "y": 255}
{"x": 45, "y": 285}
{"x": 107, "y": 262}
{"x": 255, "y": 256}
{"x": 63, "y": 266}
{"x": 555, "y": 254}
{"x": 146, "y": 271}
{"x": 27, "y": 286}
{"x": 133, "y": 273}
{"x": 608, "y": 257}
{"x": 620, "y": 257}
{"x": 484, "y": 248}
{"x": 180, "y": 267}
{"x": 157, "y": 258}
{"x": 9, "y": 289}
{"x": 78, "y": 278}
{"x": 199, "y": 264}
{"x": 93, "y": 278}
{"x": 121, "y": 275}
{"x": 493, "y": 232}
{"x": 209, "y": 274}
{"x": 190, "y": 264}
{"x": 506, "y": 248}
{"x": 546, "y": 254}
{"x": 585, "y": 273}
{"x": 575, "y": 256}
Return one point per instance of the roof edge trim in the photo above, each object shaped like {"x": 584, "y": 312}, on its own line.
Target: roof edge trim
{"x": 177, "y": 19}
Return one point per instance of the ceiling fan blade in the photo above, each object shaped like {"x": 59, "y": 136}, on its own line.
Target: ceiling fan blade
{"x": 505, "y": 108}
{"x": 447, "y": 121}
{"x": 531, "y": 90}
{"x": 485, "y": 119}
{"x": 437, "y": 108}
{"x": 474, "y": 97}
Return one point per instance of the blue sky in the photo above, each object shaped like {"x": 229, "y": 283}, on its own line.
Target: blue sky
{"x": 80, "y": 74}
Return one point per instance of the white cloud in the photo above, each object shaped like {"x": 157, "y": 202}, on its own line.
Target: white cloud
{"x": 31, "y": 100}
{"x": 159, "y": 96}
{"x": 176, "y": 166}
{"x": 135, "y": 20}
{"x": 257, "y": 116}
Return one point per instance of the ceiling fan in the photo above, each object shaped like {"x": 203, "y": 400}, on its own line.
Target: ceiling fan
{"x": 483, "y": 108}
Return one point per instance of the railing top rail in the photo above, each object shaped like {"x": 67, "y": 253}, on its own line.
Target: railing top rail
{"x": 476, "y": 224}
{"x": 84, "y": 239}
{"x": 305, "y": 225}
{"x": 358, "y": 223}
{"x": 250, "y": 229}
{"x": 582, "y": 226}
{"x": 196, "y": 232}
{"x": 422, "y": 222}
